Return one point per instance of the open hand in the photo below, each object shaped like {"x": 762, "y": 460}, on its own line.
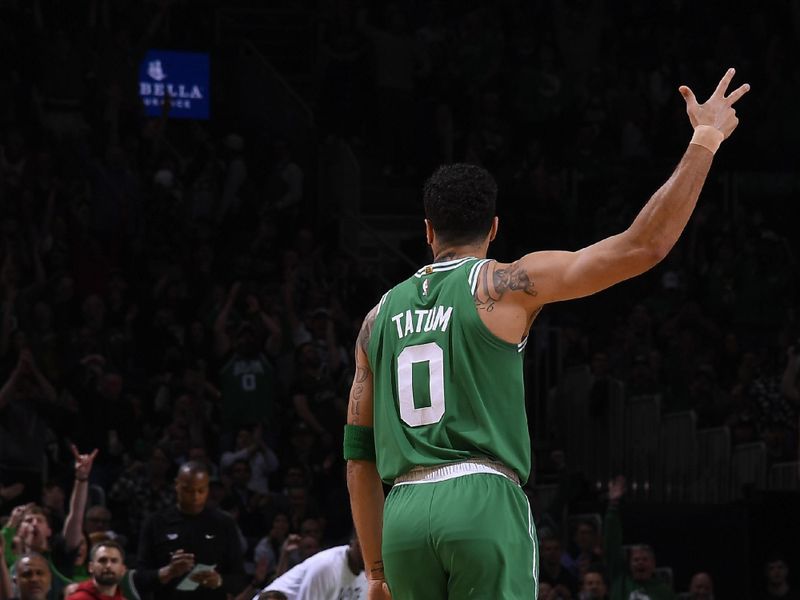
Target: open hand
{"x": 717, "y": 111}
{"x": 616, "y": 488}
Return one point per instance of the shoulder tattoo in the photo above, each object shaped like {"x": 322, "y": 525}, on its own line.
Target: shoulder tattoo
{"x": 495, "y": 281}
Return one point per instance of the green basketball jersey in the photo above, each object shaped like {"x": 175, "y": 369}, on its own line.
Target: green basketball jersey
{"x": 445, "y": 388}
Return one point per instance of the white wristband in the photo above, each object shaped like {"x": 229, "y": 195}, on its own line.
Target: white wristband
{"x": 708, "y": 137}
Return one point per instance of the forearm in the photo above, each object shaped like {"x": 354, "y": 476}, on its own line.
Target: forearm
{"x": 664, "y": 217}
{"x": 73, "y": 526}
{"x": 366, "y": 503}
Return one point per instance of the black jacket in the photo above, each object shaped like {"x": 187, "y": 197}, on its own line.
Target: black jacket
{"x": 211, "y": 536}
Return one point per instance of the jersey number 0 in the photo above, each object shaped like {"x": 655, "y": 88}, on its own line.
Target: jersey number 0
{"x": 432, "y": 355}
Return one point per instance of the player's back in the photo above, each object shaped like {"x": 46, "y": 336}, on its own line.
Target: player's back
{"x": 446, "y": 389}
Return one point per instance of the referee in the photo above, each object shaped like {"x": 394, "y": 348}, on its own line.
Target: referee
{"x": 189, "y": 551}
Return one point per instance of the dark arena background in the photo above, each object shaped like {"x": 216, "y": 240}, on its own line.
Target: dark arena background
{"x": 201, "y": 199}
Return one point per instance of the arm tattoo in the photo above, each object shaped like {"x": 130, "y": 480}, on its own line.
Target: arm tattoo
{"x": 513, "y": 278}
{"x": 358, "y": 390}
{"x": 377, "y": 569}
{"x": 366, "y": 330}
{"x": 362, "y": 373}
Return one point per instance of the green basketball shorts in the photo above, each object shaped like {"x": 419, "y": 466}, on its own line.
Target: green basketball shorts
{"x": 470, "y": 536}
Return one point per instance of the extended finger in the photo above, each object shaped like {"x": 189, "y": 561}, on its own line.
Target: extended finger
{"x": 93, "y": 454}
{"x": 738, "y": 93}
{"x": 75, "y": 452}
{"x": 688, "y": 95}
{"x": 724, "y": 82}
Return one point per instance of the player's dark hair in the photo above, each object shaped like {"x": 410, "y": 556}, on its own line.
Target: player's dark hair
{"x": 460, "y": 202}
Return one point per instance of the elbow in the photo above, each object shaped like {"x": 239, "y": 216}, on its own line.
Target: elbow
{"x": 656, "y": 252}
{"x": 648, "y": 253}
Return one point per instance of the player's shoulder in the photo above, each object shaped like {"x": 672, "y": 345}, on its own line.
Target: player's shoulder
{"x": 495, "y": 279}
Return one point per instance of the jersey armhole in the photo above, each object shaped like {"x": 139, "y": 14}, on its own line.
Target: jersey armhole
{"x": 472, "y": 281}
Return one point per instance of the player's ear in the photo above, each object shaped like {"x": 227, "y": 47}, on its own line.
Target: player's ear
{"x": 428, "y": 232}
{"x": 493, "y": 230}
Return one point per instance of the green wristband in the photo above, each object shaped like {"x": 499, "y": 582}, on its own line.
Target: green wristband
{"x": 359, "y": 443}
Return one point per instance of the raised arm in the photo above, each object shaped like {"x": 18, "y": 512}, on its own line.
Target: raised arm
{"x": 222, "y": 342}
{"x": 551, "y": 276}
{"x": 363, "y": 481}
{"x": 73, "y": 525}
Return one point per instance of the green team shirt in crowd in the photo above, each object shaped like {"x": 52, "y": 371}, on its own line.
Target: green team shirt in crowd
{"x": 446, "y": 389}
{"x": 248, "y": 391}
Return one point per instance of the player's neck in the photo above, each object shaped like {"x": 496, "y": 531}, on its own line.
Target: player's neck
{"x": 456, "y": 252}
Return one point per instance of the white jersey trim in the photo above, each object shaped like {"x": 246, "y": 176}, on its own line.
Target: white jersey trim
{"x": 438, "y": 473}
{"x": 447, "y": 265}
{"x": 473, "y": 274}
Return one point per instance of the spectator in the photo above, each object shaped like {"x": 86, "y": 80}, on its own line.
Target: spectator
{"x": 328, "y": 575}
{"x": 25, "y": 399}
{"x": 250, "y": 447}
{"x": 269, "y": 547}
{"x": 776, "y": 572}
{"x": 594, "y": 585}
{"x": 701, "y": 587}
{"x": 640, "y": 580}
{"x": 144, "y": 489}
{"x": 584, "y": 551}
{"x": 97, "y": 520}
{"x": 107, "y": 568}
{"x": 32, "y": 527}
{"x": 285, "y": 186}
{"x": 550, "y": 569}
{"x": 32, "y": 577}
{"x": 246, "y": 377}
{"x": 191, "y": 537}
{"x": 295, "y": 549}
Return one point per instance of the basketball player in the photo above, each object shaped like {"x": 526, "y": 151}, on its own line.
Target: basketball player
{"x": 437, "y": 406}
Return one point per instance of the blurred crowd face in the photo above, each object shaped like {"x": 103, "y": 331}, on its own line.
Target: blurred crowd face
{"x": 551, "y": 553}
{"x": 98, "y": 519}
{"x": 777, "y": 572}
{"x": 593, "y": 586}
{"x": 107, "y": 567}
{"x": 642, "y": 563}
{"x": 33, "y": 578}
{"x": 240, "y": 474}
{"x": 35, "y": 531}
{"x": 701, "y": 587}
{"x": 280, "y": 527}
{"x": 309, "y": 546}
{"x": 585, "y": 537}
{"x": 159, "y": 463}
{"x": 192, "y": 492}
